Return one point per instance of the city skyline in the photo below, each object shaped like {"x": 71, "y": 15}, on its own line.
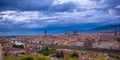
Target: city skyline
{"x": 25, "y": 17}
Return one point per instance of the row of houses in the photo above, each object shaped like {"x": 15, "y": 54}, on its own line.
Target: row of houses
{"x": 104, "y": 42}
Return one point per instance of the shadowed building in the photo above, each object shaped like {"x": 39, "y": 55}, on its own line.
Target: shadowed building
{"x": 88, "y": 43}
{"x": 118, "y": 40}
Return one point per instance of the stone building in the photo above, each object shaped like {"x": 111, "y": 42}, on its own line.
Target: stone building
{"x": 88, "y": 44}
{"x": 105, "y": 45}
{"x": 1, "y": 56}
{"x": 106, "y": 41}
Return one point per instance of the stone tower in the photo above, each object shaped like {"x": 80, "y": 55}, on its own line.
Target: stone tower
{"x": 45, "y": 33}
{"x": 115, "y": 31}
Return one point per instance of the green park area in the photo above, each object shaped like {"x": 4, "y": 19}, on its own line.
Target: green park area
{"x": 53, "y": 54}
{"x": 44, "y": 58}
{"x": 28, "y": 58}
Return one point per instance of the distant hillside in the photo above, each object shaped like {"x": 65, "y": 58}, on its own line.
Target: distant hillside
{"x": 107, "y": 28}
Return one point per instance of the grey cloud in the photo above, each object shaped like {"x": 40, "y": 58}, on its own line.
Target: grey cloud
{"x": 112, "y": 6}
{"x": 31, "y": 5}
{"x": 115, "y": 12}
{"x": 25, "y": 4}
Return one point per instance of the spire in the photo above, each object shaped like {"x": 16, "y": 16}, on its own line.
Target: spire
{"x": 67, "y": 33}
{"x": 115, "y": 31}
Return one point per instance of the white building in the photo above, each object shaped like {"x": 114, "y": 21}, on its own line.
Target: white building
{"x": 80, "y": 44}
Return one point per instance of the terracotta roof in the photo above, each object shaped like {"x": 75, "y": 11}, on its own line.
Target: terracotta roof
{"x": 107, "y": 37}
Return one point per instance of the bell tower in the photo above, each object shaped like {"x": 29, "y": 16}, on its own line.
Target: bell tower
{"x": 115, "y": 33}
{"x": 45, "y": 33}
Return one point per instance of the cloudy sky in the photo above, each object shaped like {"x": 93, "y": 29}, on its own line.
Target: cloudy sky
{"x": 20, "y": 17}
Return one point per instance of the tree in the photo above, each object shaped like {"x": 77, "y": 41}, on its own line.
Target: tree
{"x": 61, "y": 53}
{"x": 101, "y": 59}
{"x": 27, "y": 58}
{"x": 57, "y": 55}
{"x": 46, "y": 51}
{"x": 42, "y": 58}
{"x": 75, "y": 54}
{"x": 70, "y": 58}
{"x": 9, "y": 58}
{"x": 18, "y": 46}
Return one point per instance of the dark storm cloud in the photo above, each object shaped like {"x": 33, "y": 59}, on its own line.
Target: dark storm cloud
{"x": 113, "y": 9}
{"x": 48, "y": 5}
{"x": 111, "y": 3}
{"x": 107, "y": 4}
{"x": 31, "y": 5}
{"x": 112, "y": 6}
{"x": 25, "y": 4}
